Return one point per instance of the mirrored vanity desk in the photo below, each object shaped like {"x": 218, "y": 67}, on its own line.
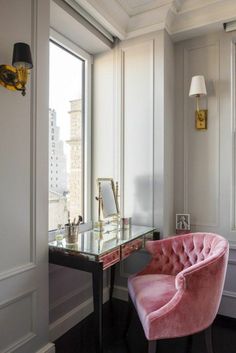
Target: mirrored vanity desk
{"x": 95, "y": 252}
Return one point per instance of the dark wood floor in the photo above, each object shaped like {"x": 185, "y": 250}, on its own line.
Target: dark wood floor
{"x": 80, "y": 339}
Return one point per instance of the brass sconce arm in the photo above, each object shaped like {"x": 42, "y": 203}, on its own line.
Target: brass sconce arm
{"x": 15, "y": 77}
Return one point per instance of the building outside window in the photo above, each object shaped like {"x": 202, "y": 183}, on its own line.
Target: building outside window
{"x": 69, "y": 148}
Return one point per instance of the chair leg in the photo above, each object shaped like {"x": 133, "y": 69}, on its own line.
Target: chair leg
{"x": 189, "y": 344}
{"x": 208, "y": 340}
{"x": 152, "y": 346}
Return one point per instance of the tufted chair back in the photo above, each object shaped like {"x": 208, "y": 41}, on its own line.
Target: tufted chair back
{"x": 172, "y": 255}
{"x": 178, "y": 293}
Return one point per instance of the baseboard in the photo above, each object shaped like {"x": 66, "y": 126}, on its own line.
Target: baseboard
{"x": 230, "y": 294}
{"x": 228, "y": 304}
{"x": 49, "y": 348}
{"x": 120, "y": 293}
{"x": 73, "y": 317}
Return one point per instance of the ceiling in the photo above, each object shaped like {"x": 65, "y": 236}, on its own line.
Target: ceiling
{"x": 181, "y": 18}
{"x": 135, "y": 7}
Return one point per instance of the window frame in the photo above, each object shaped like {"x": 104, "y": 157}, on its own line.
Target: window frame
{"x": 73, "y": 48}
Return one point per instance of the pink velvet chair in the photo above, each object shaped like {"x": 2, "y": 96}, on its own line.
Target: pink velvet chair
{"x": 178, "y": 293}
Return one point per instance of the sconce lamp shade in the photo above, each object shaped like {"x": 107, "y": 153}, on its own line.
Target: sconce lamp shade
{"x": 198, "y": 86}
{"x": 22, "y": 56}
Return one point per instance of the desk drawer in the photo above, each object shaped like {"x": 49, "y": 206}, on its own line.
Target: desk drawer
{"x": 130, "y": 247}
{"x": 110, "y": 258}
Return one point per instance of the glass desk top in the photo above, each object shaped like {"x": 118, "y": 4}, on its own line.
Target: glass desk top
{"x": 97, "y": 243}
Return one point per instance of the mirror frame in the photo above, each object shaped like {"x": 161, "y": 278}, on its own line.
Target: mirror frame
{"x": 106, "y": 213}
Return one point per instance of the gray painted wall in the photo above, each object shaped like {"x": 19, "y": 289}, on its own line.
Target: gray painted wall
{"x": 23, "y": 187}
{"x": 205, "y": 160}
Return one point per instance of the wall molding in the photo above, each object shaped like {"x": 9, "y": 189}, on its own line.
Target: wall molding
{"x": 230, "y": 294}
{"x": 16, "y": 271}
{"x": 124, "y": 48}
{"x": 120, "y": 293}
{"x": 233, "y": 142}
{"x": 32, "y": 116}
{"x": 19, "y": 343}
{"x": 232, "y": 262}
{"x": 232, "y": 245}
{"x": 33, "y": 133}
{"x": 73, "y": 317}
{"x": 186, "y": 51}
{"x": 15, "y": 299}
{"x": 31, "y": 334}
{"x": 49, "y": 348}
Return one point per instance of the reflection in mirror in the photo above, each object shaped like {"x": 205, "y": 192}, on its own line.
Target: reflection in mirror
{"x": 107, "y": 197}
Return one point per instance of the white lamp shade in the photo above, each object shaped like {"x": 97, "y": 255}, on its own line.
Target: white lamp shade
{"x": 198, "y": 86}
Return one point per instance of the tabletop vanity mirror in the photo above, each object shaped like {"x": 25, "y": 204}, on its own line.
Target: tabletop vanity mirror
{"x": 108, "y": 194}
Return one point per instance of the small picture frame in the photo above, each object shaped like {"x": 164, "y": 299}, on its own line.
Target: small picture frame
{"x": 182, "y": 223}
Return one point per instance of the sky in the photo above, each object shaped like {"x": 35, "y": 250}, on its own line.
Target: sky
{"x": 65, "y": 84}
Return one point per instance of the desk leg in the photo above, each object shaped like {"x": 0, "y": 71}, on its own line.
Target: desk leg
{"x": 97, "y": 304}
{"x": 112, "y": 280}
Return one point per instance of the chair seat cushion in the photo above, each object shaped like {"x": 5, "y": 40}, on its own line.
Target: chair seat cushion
{"x": 150, "y": 292}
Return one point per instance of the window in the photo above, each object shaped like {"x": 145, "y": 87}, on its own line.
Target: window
{"x": 69, "y": 114}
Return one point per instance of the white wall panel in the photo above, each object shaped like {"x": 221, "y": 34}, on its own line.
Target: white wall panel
{"x": 233, "y": 140}
{"x": 23, "y": 187}
{"x": 202, "y": 147}
{"x": 230, "y": 285}
{"x": 138, "y": 131}
{"x": 169, "y": 137}
{"x": 15, "y": 145}
{"x": 103, "y": 125}
{"x": 16, "y": 314}
{"x": 147, "y": 91}
{"x": 205, "y": 160}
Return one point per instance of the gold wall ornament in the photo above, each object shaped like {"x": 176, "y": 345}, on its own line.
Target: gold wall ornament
{"x": 201, "y": 119}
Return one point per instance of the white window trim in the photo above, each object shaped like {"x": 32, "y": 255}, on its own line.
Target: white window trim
{"x": 74, "y": 48}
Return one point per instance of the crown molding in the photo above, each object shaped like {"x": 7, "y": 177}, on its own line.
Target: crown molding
{"x": 202, "y": 19}
{"x": 146, "y": 21}
{"x": 110, "y": 15}
{"x": 182, "y": 19}
{"x": 191, "y": 5}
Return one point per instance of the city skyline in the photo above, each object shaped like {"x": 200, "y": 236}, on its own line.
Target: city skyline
{"x": 65, "y": 183}
{"x": 64, "y": 89}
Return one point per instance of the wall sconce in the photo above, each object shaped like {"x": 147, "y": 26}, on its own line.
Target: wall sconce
{"x": 15, "y": 77}
{"x": 198, "y": 89}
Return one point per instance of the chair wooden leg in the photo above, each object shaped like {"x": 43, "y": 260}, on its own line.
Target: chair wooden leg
{"x": 189, "y": 344}
{"x": 208, "y": 340}
{"x": 152, "y": 346}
